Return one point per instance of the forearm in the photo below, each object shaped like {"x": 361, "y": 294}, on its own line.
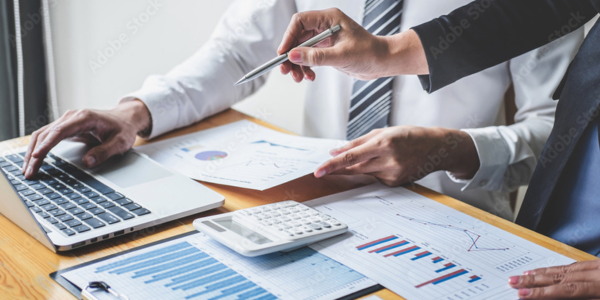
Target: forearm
{"x": 136, "y": 114}
{"x": 404, "y": 55}
{"x": 458, "y": 153}
{"x": 485, "y": 33}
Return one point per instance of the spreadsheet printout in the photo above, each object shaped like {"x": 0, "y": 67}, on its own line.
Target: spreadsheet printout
{"x": 242, "y": 154}
{"x": 197, "y": 267}
{"x": 422, "y": 249}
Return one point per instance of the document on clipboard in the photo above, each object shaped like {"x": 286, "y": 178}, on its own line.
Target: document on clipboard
{"x": 196, "y": 267}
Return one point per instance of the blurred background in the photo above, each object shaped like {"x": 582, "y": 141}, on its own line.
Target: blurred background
{"x": 104, "y": 49}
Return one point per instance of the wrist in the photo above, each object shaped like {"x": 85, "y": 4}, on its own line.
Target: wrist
{"x": 463, "y": 159}
{"x": 404, "y": 55}
{"x": 136, "y": 114}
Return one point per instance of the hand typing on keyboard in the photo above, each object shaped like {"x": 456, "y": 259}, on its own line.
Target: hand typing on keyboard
{"x": 111, "y": 132}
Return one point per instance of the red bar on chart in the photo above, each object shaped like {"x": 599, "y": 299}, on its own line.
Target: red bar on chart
{"x": 388, "y": 247}
{"x": 443, "y": 278}
{"x": 377, "y": 242}
{"x": 403, "y": 251}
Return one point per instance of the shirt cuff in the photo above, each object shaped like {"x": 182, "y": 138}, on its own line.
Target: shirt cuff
{"x": 493, "y": 158}
{"x": 161, "y": 103}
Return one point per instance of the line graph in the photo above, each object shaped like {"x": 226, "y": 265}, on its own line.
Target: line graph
{"x": 472, "y": 235}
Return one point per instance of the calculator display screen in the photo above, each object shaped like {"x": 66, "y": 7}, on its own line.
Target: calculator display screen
{"x": 242, "y": 230}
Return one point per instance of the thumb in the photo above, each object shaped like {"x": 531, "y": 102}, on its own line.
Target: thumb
{"x": 101, "y": 153}
{"x": 309, "y": 57}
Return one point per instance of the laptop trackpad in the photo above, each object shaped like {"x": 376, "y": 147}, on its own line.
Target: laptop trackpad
{"x": 130, "y": 170}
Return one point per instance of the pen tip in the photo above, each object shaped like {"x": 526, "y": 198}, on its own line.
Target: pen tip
{"x": 239, "y": 82}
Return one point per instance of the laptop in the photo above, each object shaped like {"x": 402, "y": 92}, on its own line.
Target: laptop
{"x": 67, "y": 206}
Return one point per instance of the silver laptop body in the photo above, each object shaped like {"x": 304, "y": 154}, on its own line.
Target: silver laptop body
{"x": 135, "y": 178}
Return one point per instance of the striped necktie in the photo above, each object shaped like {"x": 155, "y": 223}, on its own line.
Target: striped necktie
{"x": 371, "y": 100}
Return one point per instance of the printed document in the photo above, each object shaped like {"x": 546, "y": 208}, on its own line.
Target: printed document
{"x": 242, "y": 154}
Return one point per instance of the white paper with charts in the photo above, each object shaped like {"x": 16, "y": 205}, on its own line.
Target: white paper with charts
{"x": 197, "y": 267}
{"x": 242, "y": 154}
{"x": 422, "y": 249}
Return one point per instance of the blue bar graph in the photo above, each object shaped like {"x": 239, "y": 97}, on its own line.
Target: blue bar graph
{"x": 158, "y": 260}
{"x": 447, "y": 266}
{"x": 213, "y": 287}
{"x": 376, "y": 242}
{"x": 205, "y": 280}
{"x": 184, "y": 269}
{"x": 266, "y": 297}
{"x": 234, "y": 290}
{"x": 194, "y": 275}
{"x": 189, "y": 271}
{"x": 170, "y": 265}
{"x": 421, "y": 255}
{"x": 252, "y": 293}
{"x": 450, "y": 277}
{"x": 151, "y": 254}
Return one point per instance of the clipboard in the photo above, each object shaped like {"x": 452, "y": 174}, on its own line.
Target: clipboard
{"x": 76, "y": 291}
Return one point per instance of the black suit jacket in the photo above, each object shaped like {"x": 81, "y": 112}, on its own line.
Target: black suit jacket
{"x": 485, "y": 33}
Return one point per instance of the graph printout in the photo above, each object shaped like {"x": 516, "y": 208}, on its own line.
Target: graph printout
{"x": 197, "y": 267}
{"x": 242, "y": 154}
{"x": 422, "y": 249}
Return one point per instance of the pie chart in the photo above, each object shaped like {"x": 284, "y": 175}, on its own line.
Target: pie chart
{"x": 210, "y": 155}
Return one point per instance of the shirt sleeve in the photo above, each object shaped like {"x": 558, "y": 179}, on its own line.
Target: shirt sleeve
{"x": 203, "y": 85}
{"x": 485, "y": 33}
{"x": 508, "y": 154}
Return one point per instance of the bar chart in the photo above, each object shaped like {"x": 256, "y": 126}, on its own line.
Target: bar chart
{"x": 199, "y": 268}
{"x": 385, "y": 245}
{"x": 422, "y": 249}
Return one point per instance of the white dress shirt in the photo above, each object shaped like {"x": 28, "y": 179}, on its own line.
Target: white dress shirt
{"x": 251, "y": 30}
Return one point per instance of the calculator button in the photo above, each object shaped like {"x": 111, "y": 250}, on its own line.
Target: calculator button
{"x": 298, "y": 231}
{"x": 288, "y": 233}
{"x": 315, "y": 226}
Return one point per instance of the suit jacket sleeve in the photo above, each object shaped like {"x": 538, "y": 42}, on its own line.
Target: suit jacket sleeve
{"x": 485, "y": 33}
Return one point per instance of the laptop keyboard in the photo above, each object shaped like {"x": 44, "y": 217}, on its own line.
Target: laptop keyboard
{"x": 67, "y": 198}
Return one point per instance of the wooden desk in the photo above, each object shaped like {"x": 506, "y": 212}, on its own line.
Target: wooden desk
{"x": 25, "y": 264}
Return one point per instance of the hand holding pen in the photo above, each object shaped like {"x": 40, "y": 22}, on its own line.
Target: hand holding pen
{"x": 353, "y": 51}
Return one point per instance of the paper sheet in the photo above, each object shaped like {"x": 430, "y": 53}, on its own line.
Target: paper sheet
{"x": 242, "y": 154}
{"x": 421, "y": 249}
{"x": 197, "y": 267}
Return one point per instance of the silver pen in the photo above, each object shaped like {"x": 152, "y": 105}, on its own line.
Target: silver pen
{"x": 284, "y": 57}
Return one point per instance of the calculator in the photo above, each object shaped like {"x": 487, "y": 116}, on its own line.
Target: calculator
{"x": 282, "y": 226}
